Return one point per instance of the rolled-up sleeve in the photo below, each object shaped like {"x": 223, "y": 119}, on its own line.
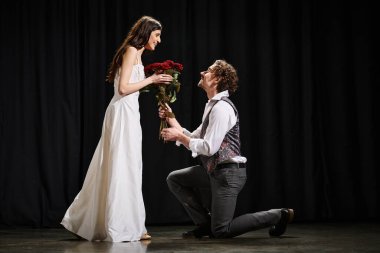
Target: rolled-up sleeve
{"x": 195, "y": 134}
{"x": 221, "y": 119}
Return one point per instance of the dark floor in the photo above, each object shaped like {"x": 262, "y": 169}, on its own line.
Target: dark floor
{"x": 319, "y": 237}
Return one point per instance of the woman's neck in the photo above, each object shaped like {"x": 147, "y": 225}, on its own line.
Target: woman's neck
{"x": 139, "y": 54}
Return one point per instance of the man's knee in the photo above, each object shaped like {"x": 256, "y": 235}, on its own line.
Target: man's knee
{"x": 170, "y": 177}
{"x": 171, "y": 180}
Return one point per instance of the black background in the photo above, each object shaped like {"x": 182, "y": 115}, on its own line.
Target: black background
{"x": 306, "y": 100}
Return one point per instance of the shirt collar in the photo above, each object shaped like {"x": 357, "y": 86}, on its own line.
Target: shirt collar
{"x": 220, "y": 95}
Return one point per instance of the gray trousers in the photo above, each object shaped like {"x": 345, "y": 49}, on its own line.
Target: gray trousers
{"x": 211, "y": 199}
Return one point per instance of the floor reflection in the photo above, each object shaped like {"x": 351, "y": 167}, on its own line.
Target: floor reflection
{"x": 107, "y": 247}
{"x": 305, "y": 237}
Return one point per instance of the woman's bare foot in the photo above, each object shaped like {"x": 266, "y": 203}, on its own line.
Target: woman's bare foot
{"x": 146, "y": 236}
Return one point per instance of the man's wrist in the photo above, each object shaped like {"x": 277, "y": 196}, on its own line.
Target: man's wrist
{"x": 170, "y": 115}
{"x": 184, "y": 139}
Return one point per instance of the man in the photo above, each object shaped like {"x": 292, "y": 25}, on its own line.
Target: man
{"x": 222, "y": 171}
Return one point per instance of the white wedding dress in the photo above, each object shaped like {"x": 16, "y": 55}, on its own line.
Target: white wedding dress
{"x": 110, "y": 205}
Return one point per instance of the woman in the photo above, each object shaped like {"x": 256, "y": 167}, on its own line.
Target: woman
{"x": 110, "y": 205}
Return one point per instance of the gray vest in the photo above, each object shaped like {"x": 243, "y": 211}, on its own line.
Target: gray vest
{"x": 230, "y": 146}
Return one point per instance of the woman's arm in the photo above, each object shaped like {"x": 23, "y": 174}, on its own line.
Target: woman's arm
{"x": 126, "y": 88}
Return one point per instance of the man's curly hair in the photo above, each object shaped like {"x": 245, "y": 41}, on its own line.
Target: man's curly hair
{"x": 226, "y": 73}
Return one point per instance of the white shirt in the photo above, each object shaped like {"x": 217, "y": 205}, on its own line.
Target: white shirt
{"x": 221, "y": 119}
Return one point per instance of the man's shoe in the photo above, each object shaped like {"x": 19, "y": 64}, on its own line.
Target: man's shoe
{"x": 198, "y": 232}
{"x": 278, "y": 229}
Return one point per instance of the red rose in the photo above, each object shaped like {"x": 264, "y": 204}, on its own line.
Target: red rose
{"x": 165, "y": 93}
{"x": 178, "y": 66}
{"x": 165, "y": 66}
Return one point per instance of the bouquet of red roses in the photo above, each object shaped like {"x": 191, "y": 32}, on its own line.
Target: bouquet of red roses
{"x": 165, "y": 93}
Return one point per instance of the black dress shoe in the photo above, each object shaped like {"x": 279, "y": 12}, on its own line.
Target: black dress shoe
{"x": 198, "y": 232}
{"x": 280, "y": 228}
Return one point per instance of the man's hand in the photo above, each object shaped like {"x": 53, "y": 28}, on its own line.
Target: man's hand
{"x": 171, "y": 134}
{"x": 165, "y": 112}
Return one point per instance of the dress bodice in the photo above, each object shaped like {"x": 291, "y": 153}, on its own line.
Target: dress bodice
{"x": 137, "y": 75}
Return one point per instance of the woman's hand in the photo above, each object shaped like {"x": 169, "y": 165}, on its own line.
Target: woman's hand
{"x": 161, "y": 78}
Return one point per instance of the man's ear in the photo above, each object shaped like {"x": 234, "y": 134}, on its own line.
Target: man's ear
{"x": 215, "y": 79}
{"x": 215, "y": 85}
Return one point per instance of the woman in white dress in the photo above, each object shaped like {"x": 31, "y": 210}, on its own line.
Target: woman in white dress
{"x": 110, "y": 205}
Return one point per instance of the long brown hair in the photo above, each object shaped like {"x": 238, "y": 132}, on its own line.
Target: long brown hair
{"x": 137, "y": 37}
